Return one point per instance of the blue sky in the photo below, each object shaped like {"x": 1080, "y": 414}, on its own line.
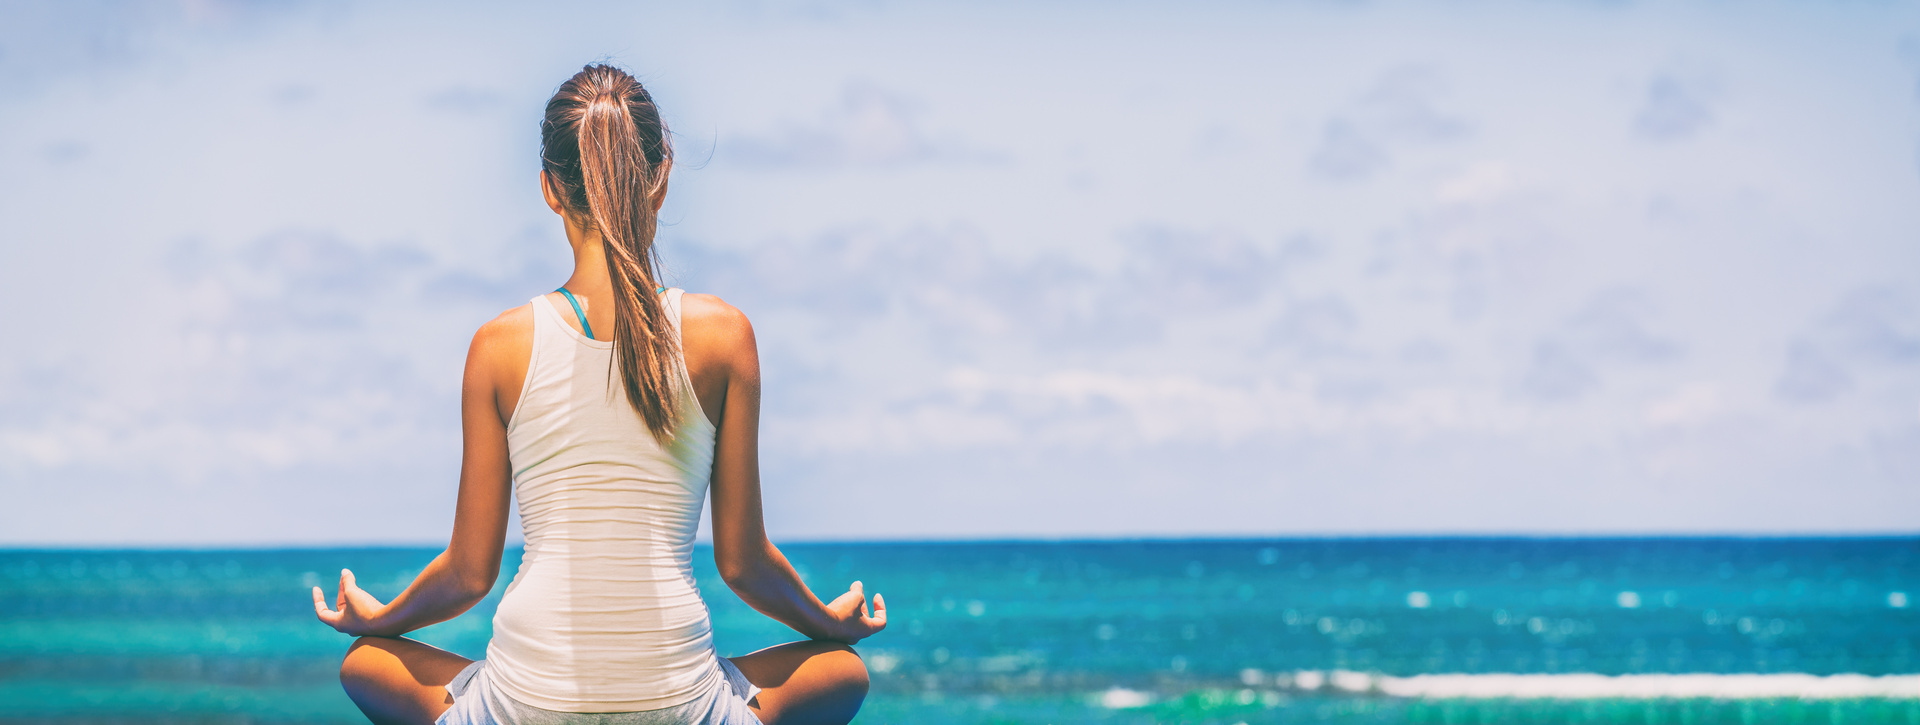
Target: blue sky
{"x": 1018, "y": 270}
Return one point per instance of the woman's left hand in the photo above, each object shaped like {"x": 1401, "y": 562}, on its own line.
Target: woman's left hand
{"x": 851, "y": 620}
{"x": 357, "y": 609}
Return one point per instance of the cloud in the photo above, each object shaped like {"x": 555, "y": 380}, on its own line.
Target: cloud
{"x": 1475, "y": 244}
{"x": 1557, "y": 374}
{"x": 1675, "y": 108}
{"x": 464, "y": 99}
{"x": 938, "y": 342}
{"x": 43, "y": 43}
{"x": 292, "y": 95}
{"x": 1314, "y": 327}
{"x": 1346, "y": 152}
{"x": 1480, "y": 183}
{"x": 868, "y": 127}
{"x": 1147, "y": 284}
{"x": 1871, "y": 327}
{"x": 1874, "y": 324}
{"x": 1073, "y": 409}
{"x": 65, "y": 152}
{"x": 1205, "y": 269}
{"x": 1399, "y": 110}
{"x": 1219, "y": 142}
{"x": 1402, "y": 332}
{"x": 1610, "y": 330}
{"x": 1810, "y": 376}
{"x": 1690, "y": 404}
{"x": 296, "y": 349}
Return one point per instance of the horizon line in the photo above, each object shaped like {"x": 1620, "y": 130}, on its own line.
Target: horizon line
{"x": 1189, "y": 539}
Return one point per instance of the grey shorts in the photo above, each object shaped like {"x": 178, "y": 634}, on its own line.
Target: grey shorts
{"x": 477, "y": 702}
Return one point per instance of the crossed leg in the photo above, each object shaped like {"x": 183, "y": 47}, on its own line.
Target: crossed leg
{"x": 805, "y": 683}
{"x": 397, "y": 680}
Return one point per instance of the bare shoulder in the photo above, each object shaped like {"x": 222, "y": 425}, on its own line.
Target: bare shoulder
{"x": 509, "y": 330}
{"x": 713, "y": 321}
{"x": 712, "y": 331}
{"x": 502, "y": 347}
{"x": 498, "y": 359}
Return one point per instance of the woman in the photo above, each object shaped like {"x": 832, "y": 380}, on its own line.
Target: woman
{"x": 610, "y": 441}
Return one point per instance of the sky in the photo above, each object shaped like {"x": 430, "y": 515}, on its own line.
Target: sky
{"x": 1017, "y": 270}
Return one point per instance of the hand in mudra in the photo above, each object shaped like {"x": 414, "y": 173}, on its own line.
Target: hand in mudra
{"x": 356, "y": 610}
{"x": 852, "y": 622}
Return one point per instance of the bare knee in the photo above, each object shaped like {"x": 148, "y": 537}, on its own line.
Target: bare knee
{"x": 362, "y": 660}
{"x": 848, "y": 669}
{"x": 808, "y": 681}
{"x": 841, "y": 677}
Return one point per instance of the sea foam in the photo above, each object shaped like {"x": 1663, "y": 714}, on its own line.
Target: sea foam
{"x": 1590, "y": 686}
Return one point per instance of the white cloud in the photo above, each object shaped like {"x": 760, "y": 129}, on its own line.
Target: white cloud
{"x": 298, "y": 350}
{"x": 1483, "y": 182}
{"x": 1690, "y": 404}
{"x": 1401, "y": 109}
{"x": 1872, "y": 330}
{"x": 1114, "y": 413}
{"x": 1675, "y": 108}
{"x": 868, "y": 126}
{"x": 1150, "y": 311}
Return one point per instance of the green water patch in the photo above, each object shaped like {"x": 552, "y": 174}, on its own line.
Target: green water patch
{"x": 57, "y": 701}
{"x": 1663, "y": 712}
{"x": 1229, "y": 707}
{"x": 66, "y": 701}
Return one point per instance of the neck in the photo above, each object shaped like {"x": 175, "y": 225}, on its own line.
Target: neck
{"x": 589, "y": 264}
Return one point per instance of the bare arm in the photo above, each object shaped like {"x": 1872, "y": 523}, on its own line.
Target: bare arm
{"x": 751, "y": 565}
{"x": 463, "y": 574}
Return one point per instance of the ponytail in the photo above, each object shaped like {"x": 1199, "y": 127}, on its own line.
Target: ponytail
{"x": 603, "y": 145}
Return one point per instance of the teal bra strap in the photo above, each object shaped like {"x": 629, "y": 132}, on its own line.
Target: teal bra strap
{"x": 582, "y": 315}
{"x": 576, "y": 311}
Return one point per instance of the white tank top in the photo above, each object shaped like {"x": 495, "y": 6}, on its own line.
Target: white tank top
{"x": 603, "y": 615}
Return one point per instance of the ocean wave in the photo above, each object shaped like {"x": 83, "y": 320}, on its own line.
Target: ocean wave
{"x": 1592, "y": 686}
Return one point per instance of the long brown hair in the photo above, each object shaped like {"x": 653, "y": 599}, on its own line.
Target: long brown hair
{"x": 605, "y": 149}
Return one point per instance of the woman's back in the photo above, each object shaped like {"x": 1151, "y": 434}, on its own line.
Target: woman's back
{"x": 603, "y": 615}
{"x": 611, "y": 442}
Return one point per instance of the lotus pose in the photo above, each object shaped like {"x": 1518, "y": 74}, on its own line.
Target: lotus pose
{"x": 611, "y": 407}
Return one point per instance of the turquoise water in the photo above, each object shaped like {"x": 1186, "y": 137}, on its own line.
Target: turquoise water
{"x": 1038, "y": 632}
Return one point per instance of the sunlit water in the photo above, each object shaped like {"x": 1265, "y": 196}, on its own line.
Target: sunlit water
{"x": 1224, "y": 631}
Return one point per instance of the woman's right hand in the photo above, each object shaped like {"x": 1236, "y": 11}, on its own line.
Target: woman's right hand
{"x": 851, "y": 621}
{"x": 357, "y": 609}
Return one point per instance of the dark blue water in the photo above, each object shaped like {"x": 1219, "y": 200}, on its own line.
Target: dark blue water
{"x": 1030, "y": 631}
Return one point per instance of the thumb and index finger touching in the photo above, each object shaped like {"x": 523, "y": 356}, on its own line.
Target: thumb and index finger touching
{"x": 329, "y": 614}
{"x": 877, "y": 616}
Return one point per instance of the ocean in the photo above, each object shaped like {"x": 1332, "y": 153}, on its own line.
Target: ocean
{"x": 1445, "y": 630}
